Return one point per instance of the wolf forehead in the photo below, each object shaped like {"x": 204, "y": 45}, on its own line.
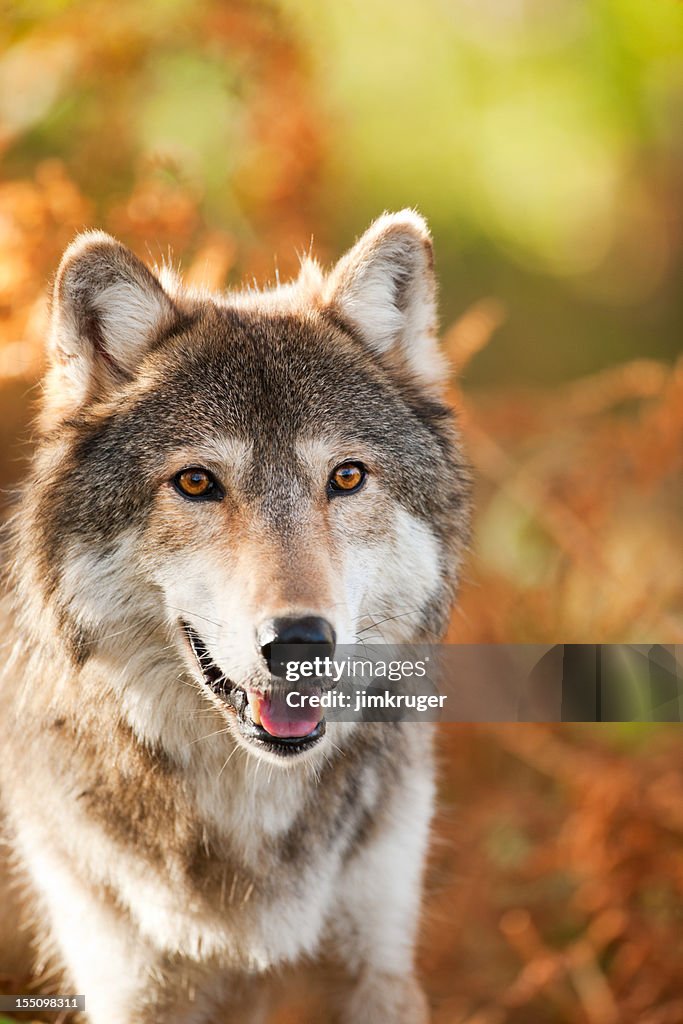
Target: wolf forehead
{"x": 271, "y": 378}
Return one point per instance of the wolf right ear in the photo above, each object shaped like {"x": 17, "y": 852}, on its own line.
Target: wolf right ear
{"x": 384, "y": 289}
{"x": 107, "y": 311}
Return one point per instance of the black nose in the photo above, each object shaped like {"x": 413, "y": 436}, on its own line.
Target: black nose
{"x": 291, "y": 639}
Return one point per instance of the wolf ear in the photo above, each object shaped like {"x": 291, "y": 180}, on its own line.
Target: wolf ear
{"x": 107, "y": 311}
{"x": 384, "y": 288}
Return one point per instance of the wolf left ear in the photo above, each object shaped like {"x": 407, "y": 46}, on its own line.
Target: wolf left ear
{"x": 384, "y": 288}
{"x": 107, "y": 311}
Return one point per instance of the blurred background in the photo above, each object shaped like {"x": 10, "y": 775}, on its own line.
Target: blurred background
{"x": 543, "y": 140}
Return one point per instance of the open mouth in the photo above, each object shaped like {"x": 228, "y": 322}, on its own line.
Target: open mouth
{"x": 265, "y": 719}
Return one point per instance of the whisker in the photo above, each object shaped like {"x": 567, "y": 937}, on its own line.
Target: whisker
{"x": 390, "y": 618}
{"x": 228, "y": 759}
{"x": 192, "y": 614}
{"x": 218, "y": 732}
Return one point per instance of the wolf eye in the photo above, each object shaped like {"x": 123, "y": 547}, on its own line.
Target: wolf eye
{"x": 197, "y": 484}
{"x": 346, "y": 478}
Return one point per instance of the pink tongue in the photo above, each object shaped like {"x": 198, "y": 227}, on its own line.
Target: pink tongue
{"x": 279, "y": 719}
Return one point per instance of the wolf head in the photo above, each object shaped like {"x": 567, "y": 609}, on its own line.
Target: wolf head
{"x": 220, "y": 472}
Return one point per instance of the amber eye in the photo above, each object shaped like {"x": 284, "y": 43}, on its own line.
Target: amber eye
{"x": 197, "y": 484}
{"x": 347, "y": 477}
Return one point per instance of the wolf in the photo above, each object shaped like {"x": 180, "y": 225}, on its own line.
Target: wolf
{"x": 215, "y": 474}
